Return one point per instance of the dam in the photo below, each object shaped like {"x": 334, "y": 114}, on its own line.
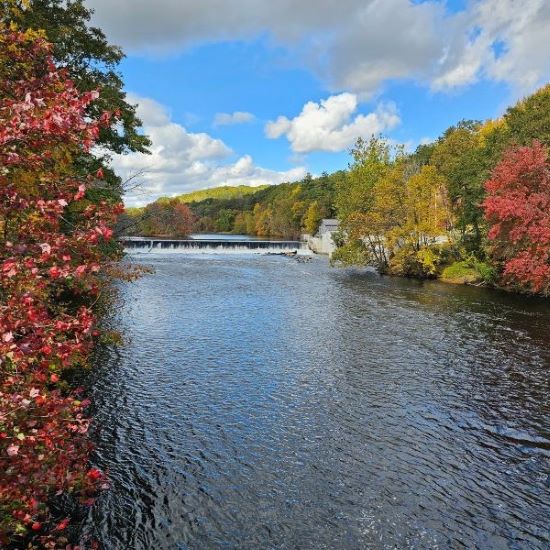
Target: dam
{"x": 223, "y": 245}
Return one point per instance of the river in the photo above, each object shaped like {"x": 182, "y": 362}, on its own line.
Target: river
{"x": 266, "y": 402}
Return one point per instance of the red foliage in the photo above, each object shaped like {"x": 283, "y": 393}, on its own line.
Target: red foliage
{"x": 518, "y": 208}
{"x": 50, "y": 261}
{"x": 167, "y": 218}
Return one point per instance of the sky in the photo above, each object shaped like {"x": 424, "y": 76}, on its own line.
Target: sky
{"x": 262, "y": 91}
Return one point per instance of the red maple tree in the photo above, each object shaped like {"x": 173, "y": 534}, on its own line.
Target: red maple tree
{"x": 52, "y": 241}
{"x": 518, "y": 208}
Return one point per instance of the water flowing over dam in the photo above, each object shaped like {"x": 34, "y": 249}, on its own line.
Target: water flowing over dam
{"x": 213, "y": 246}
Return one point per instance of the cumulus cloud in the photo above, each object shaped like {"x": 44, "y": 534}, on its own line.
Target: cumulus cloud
{"x": 238, "y": 117}
{"x": 181, "y": 161}
{"x": 330, "y": 125}
{"x": 355, "y": 45}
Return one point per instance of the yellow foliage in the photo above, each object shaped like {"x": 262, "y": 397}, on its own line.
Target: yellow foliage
{"x": 262, "y": 219}
{"x": 488, "y": 128}
{"x": 427, "y": 211}
{"x": 312, "y": 218}
{"x": 428, "y": 260}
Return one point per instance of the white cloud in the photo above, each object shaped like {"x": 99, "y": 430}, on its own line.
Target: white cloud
{"x": 172, "y": 141}
{"x": 383, "y": 40}
{"x": 330, "y": 125}
{"x": 238, "y": 117}
{"x": 182, "y": 161}
{"x": 355, "y": 45}
{"x": 501, "y": 40}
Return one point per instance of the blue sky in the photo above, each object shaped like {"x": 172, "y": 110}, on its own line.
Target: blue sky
{"x": 306, "y": 79}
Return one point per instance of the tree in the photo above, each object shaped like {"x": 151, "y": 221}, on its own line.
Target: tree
{"x": 262, "y": 220}
{"x": 427, "y": 212}
{"x": 394, "y": 211}
{"x": 529, "y": 119}
{"x": 384, "y": 222}
{"x": 518, "y": 209}
{"x": 354, "y": 195}
{"x": 250, "y": 223}
{"x": 356, "y": 202}
{"x": 313, "y": 218}
{"x": 239, "y": 224}
{"x": 167, "y": 218}
{"x": 90, "y": 61}
{"x": 225, "y": 220}
{"x": 459, "y": 158}
{"x": 53, "y": 243}
{"x": 92, "y": 64}
{"x": 423, "y": 154}
{"x": 286, "y": 214}
{"x": 420, "y": 222}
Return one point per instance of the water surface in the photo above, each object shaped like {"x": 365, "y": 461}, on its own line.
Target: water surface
{"x": 265, "y": 402}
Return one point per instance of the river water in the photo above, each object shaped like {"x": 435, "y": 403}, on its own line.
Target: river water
{"x": 266, "y": 402}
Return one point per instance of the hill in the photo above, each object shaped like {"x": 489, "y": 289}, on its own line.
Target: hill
{"x": 224, "y": 192}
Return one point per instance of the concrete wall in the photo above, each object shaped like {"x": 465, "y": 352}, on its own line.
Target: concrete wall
{"x": 322, "y": 244}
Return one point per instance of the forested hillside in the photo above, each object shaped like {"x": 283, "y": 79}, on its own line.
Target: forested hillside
{"x": 218, "y": 193}
{"x": 285, "y": 210}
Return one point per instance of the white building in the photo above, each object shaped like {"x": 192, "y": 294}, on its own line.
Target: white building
{"x": 322, "y": 242}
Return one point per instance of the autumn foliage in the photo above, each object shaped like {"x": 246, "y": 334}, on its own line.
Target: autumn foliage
{"x": 518, "y": 208}
{"x": 168, "y": 218}
{"x": 52, "y": 251}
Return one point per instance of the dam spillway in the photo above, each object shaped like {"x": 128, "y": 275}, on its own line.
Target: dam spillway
{"x": 213, "y": 246}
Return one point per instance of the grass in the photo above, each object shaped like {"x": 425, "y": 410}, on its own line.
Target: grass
{"x": 462, "y": 273}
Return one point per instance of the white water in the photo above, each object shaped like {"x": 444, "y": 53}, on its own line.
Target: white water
{"x": 214, "y": 246}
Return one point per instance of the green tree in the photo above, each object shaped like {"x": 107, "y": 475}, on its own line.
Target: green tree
{"x": 312, "y": 218}
{"x": 225, "y": 220}
{"x": 423, "y": 154}
{"x": 354, "y": 195}
{"x": 287, "y": 212}
{"x": 92, "y": 63}
{"x": 529, "y": 119}
{"x": 459, "y": 157}
{"x": 356, "y": 204}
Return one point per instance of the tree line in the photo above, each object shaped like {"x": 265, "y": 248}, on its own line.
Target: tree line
{"x": 474, "y": 205}
{"x": 286, "y": 210}
{"x": 429, "y": 213}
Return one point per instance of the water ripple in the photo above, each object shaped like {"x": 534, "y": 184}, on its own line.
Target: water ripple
{"x": 264, "y": 403}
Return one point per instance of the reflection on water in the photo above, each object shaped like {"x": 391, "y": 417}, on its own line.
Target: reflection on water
{"x": 265, "y": 403}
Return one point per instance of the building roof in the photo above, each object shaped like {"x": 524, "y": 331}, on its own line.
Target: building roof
{"x": 328, "y": 224}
